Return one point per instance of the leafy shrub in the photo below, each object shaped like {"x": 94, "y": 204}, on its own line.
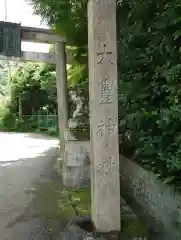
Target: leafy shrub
{"x": 7, "y": 120}
{"x": 150, "y": 78}
{"x": 52, "y": 131}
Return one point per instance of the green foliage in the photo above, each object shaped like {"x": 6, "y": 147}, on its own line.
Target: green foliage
{"x": 3, "y": 78}
{"x": 67, "y": 18}
{"x": 149, "y": 74}
{"x": 80, "y": 199}
{"x": 150, "y": 96}
{"x": 35, "y": 85}
{"x": 7, "y": 120}
{"x": 132, "y": 228}
{"x": 76, "y": 75}
{"x": 34, "y": 93}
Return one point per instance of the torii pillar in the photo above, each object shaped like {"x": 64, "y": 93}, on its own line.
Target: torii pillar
{"x": 62, "y": 93}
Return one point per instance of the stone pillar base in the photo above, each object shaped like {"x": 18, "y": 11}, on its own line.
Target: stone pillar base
{"x": 108, "y": 236}
{"x": 68, "y": 136}
{"x": 76, "y": 164}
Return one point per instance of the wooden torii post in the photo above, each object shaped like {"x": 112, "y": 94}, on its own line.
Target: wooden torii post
{"x": 61, "y": 57}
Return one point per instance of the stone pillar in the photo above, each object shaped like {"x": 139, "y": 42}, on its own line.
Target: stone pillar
{"x": 104, "y": 115}
{"x": 20, "y": 112}
{"x": 62, "y": 94}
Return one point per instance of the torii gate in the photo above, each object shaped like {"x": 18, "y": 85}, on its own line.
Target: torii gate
{"x": 11, "y": 35}
{"x": 104, "y": 145}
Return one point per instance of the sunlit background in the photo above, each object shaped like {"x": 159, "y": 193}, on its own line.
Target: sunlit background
{"x": 19, "y": 11}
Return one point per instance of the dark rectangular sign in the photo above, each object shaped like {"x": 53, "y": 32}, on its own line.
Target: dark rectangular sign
{"x": 10, "y": 39}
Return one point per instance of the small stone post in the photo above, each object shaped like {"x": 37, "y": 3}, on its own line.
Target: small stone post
{"x": 20, "y": 112}
{"x": 104, "y": 115}
{"x": 62, "y": 93}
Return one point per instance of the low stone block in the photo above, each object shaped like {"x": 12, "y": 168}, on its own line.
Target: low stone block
{"x": 154, "y": 202}
{"x": 76, "y": 166}
{"x": 68, "y": 136}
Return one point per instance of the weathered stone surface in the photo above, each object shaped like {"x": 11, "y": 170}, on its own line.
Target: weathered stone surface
{"x": 78, "y": 101}
{"x": 81, "y": 228}
{"x": 10, "y": 39}
{"x": 76, "y": 167}
{"x": 68, "y": 136}
{"x": 104, "y": 115}
{"x": 62, "y": 93}
{"x": 79, "y": 111}
{"x": 76, "y": 153}
{"x": 73, "y": 232}
{"x": 151, "y": 200}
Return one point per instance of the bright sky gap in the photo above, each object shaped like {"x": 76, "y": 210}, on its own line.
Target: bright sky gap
{"x": 19, "y": 11}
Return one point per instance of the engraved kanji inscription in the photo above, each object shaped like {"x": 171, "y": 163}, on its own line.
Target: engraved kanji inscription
{"x": 105, "y": 54}
{"x": 105, "y": 90}
{"x": 97, "y": 22}
{"x": 140, "y": 191}
{"x": 105, "y": 131}
{"x": 10, "y": 39}
{"x": 139, "y": 186}
{"x": 179, "y": 205}
{"x": 106, "y": 165}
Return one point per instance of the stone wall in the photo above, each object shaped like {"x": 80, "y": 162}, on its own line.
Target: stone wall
{"x": 150, "y": 199}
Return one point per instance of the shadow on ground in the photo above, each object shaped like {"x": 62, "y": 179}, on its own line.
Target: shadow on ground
{"x": 57, "y": 206}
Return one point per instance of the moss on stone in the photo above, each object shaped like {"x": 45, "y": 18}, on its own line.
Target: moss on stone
{"x": 133, "y": 228}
